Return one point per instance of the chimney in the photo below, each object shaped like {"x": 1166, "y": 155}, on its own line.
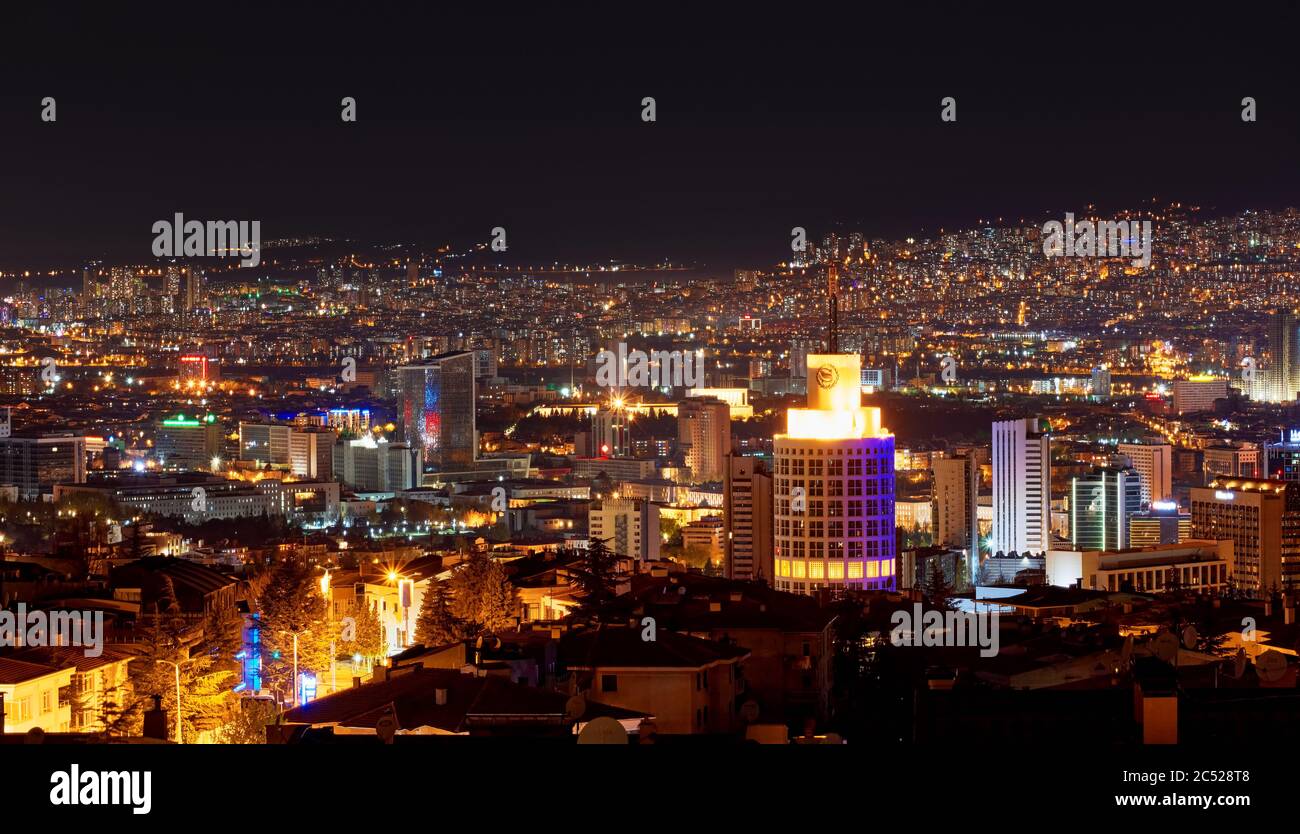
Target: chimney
{"x": 155, "y": 721}
{"x": 1268, "y": 607}
{"x": 440, "y": 697}
{"x": 356, "y": 681}
{"x": 2, "y": 713}
{"x": 1288, "y": 615}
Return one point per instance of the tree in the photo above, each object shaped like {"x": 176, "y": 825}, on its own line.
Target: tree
{"x": 368, "y": 637}
{"x": 293, "y": 605}
{"x": 596, "y": 573}
{"x": 937, "y": 589}
{"x": 436, "y": 625}
{"x": 248, "y": 723}
{"x": 206, "y": 698}
{"x": 482, "y": 596}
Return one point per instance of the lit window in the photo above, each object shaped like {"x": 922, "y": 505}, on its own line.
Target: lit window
{"x": 816, "y": 570}
{"x": 855, "y": 570}
{"x": 800, "y": 570}
{"x": 873, "y": 570}
{"x": 836, "y": 570}
{"x": 783, "y": 567}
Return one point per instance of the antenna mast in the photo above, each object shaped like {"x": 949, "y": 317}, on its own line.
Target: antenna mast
{"x": 833, "y": 301}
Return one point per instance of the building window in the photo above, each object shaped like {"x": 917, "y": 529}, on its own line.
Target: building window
{"x": 609, "y": 683}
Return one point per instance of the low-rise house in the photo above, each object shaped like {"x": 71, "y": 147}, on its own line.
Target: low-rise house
{"x": 690, "y": 685}
{"x": 416, "y": 700}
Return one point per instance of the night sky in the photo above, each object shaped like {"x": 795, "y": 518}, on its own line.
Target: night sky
{"x": 769, "y": 116}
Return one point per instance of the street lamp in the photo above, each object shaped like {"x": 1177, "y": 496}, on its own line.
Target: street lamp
{"x": 295, "y": 659}
{"x": 176, "y": 666}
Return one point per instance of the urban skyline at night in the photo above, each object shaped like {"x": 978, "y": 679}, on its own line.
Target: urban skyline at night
{"x": 423, "y": 385}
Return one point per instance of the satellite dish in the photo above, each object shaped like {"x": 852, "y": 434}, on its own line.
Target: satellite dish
{"x": 1165, "y": 646}
{"x": 603, "y": 730}
{"x": 647, "y": 730}
{"x": 1190, "y": 637}
{"x": 833, "y": 738}
{"x": 575, "y": 708}
{"x": 1270, "y": 666}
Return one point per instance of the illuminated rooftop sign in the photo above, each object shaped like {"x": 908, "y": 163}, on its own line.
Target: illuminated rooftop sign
{"x": 180, "y": 421}
{"x": 835, "y": 409}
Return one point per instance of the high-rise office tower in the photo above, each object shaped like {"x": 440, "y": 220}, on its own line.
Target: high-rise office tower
{"x": 265, "y": 442}
{"x": 834, "y": 487}
{"x": 1283, "y": 374}
{"x": 1284, "y": 456}
{"x": 184, "y": 442}
{"x": 1101, "y": 504}
{"x": 193, "y": 289}
{"x": 956, "y": 496}
{"x": 1022, "y": 478}
{"x": 311, "y": 453}
{"x": 704, "y": 431}
{"x": 1162, "y": 524}
{"x": 1232, "y": 460}
{"x": 370, "y": 464}
{"x": 34, "y": 460}
{"x": 629, "y": 526}
{"x": 747, "y": 514}
{"x": 437, "y": 409}
{"x": 610, "y": 432}
{"x": 1155, "y": 465}
{"x": 1262, "y": 520}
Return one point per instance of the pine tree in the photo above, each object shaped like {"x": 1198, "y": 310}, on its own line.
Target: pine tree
{"x": 369, "y": 639}
{"x": 937, "y": 589}
{"x": 293, "y": 605}
{"x": 596, "y": 574}
{"x": 436, "y": 625}
{"x": 205, "y": 691}
{"x": 499, "y": 600}
{"x": 483, "y": 598}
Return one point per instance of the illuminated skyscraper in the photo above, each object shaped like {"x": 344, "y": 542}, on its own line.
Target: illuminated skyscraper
{"x": 834, "y": 491}
{"x": 437, "y": 409}
{"x": 1155, "y": 464}
{"x": 704, "y": 431}
{"x": 1022, "y": 477}
{"x": 956, "y": 511}
{"x": 1283, "y": 375}
{"x": 1101, "y": 504}
{"x": 747, "y": 503}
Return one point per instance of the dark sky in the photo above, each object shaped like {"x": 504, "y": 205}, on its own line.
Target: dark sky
{"x": 769, "y": 116}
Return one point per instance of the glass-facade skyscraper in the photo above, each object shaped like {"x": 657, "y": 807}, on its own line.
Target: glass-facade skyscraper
{"x": 437, "y": 409}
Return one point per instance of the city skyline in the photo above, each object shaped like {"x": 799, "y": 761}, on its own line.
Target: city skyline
{"x": 473, "y": 385}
